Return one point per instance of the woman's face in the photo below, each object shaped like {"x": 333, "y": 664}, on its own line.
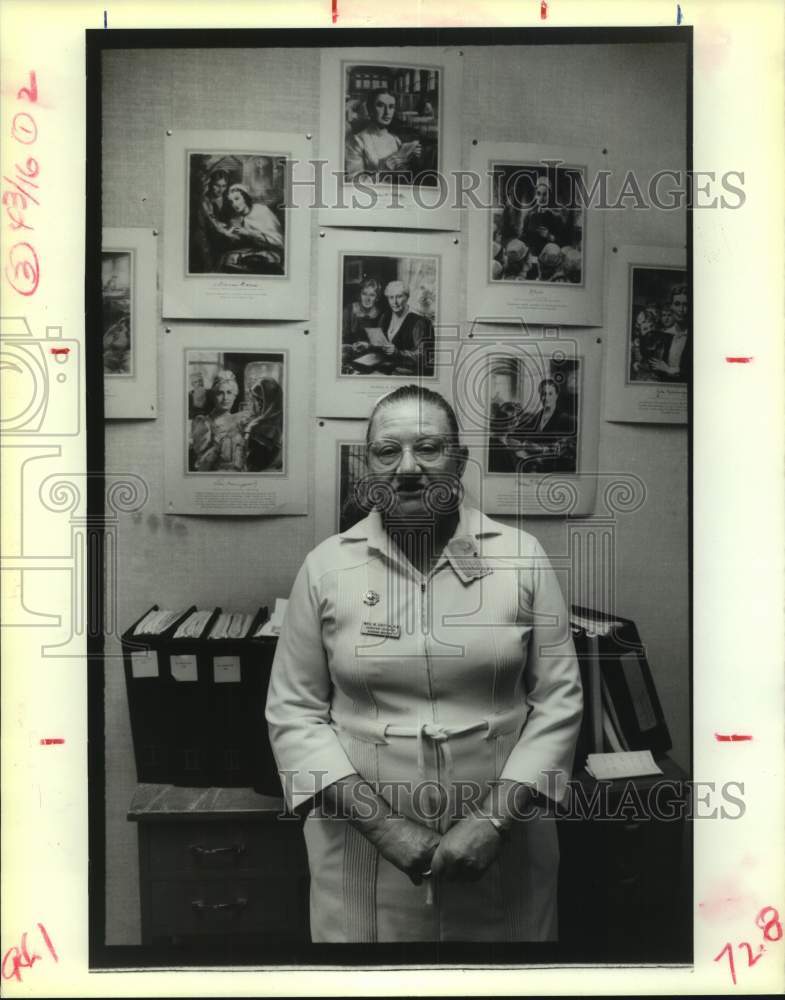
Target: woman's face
{"x": 224, "y": 395}
{"x": 409, "y": 450}
{"x": 368, "y": 297}
{"x": 548, "y": 395}
{"x": 384, "y": 109}
{"x": 644, "y": 324}
{"x": 237, "y": 202}
{"x": 219, "y": 186}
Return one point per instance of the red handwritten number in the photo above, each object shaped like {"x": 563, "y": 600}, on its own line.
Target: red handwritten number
{"x": 31, "y": 92}
{"x": 18, "y": 957}
{"x": 24, "y": 128}
{"x": 729, "y": 950}
{"x": 23, "y": 261}
{"x": 750, "y": 959}
{"x": 766, "y": 924}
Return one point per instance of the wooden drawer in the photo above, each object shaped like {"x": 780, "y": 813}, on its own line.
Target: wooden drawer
{"x": 232, "y": 905}
{"x": 224, "y": 847}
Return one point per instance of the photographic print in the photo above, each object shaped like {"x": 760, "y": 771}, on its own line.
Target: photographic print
{"x": 233, "y": 435}
{"x": 116, "y": 279}
{"x": 235, "y": 411}
{"x": 649, "y": 356}
{"x": 534, "y": 416}
{"x": 537, "y": 224}
{"x": 391, "y": 127}
{"x": 129, "y": 323}
{"x": 236, "y": 217}
{"x": 389, "y": 130}
{"x": 387, "y": 317}
{"x": 535, "y": 247}
{"x": 237, "y": 225}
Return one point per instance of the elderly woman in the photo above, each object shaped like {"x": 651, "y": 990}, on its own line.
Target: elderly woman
{"x": 374, "y": 149}
{"x": 424, "y": 700}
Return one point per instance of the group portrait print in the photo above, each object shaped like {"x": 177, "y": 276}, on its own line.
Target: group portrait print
{"x": 388, "y": 312}
{"x": 391, "y": 123}
{"x": 236, "y": 213}
{"x": 659, "y": 347}
{"x": 117, "y": 320}
{"x": 538, "y": 224}
{"x": 534, "y": 415}
{"x": 235, "y": 412}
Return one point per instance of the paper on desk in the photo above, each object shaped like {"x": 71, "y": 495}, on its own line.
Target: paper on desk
{"x": 273, "y": 625}
{"x": 629, "y": 764}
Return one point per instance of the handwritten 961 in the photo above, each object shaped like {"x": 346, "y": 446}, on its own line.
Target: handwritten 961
{"x": 24, "y": 956}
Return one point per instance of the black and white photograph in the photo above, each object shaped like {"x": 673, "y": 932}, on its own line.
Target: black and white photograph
{"x": 534, "y": 416}
{"x": 385, "y": 317}
{"x": 388, "y": 315}
{"x": 235, "y": 412}
{"x": 237, "y": 223}
{"x": 648, "y": 364}
{"x": 392, "y": 124}
{"x": 116, "y": 280}
{"x": 233, "y": 432}
{"x": 237, "y": 214}
{"x": 129, "y": 323}
{"x": 660, "y": 348}
{"x": 537, "y": 224}
{"x": 535, "y": 238}
{"x": 390, "y": 132}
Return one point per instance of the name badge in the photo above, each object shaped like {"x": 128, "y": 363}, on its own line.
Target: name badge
{"x": 385, "y": 631}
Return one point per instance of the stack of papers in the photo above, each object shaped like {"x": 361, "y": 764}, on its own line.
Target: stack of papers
{"x": 155, "y": 622}
{"x": 193, "y": 626}
{"x": 273, "y": 625}
{"x": 230, "y": 625}
{"x": 630, "y": 764}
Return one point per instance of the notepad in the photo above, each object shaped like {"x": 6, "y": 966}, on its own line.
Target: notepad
{"x": 630, "y": 764}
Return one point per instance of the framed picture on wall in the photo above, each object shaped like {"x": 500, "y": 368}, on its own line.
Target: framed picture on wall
{"x": 649, "y": 357}
{"x": 236, "y": 244}
{"x": 535, "y": 242}
{"x": 388, "y": 316}
{"x": 342, "y": 499}
{"x": 389, "y": 131}
{"x": 129, "y": 323}
{"x": 235, "y": 438}
{"x": 529, "y": 409}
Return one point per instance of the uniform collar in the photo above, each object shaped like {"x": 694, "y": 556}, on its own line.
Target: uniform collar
{"x": 462, "y": 551}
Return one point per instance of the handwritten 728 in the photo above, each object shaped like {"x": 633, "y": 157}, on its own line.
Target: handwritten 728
{"x": 768, "y": 923}
{"x": 21, "y": 957}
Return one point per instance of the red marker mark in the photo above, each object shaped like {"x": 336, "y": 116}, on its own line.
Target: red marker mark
{"x": 731, "y": 737}
{"x": 335, "y": 11}
{"x": 54, "y": 741}
{"x": 769, "y": 924}
{"x": 19, "y": 956}
{"x": 59, "y": 350}
{"x": 738, "y": 361}
{"x": 22, "y": 271}
{"x": 543, "y": 9}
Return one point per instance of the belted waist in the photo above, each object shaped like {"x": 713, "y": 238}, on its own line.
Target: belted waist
{"x": 378, "y": 731}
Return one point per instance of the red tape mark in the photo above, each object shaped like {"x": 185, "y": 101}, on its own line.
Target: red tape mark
{"x": 738, "y": 361}
{"x": 335, "y": 11}
{"x": 543, "y": 9}
{"x": 54, "y": 741}
{"x": 731, "y": 737}
{"x": 59, "y": 350}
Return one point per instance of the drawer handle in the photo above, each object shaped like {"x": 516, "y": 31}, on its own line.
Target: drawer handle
{"x": 235, "y": 904}
{"x": 201, "y": 853}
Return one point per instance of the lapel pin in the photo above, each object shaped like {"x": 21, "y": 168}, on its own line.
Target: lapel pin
{"x": 370, "y": 597}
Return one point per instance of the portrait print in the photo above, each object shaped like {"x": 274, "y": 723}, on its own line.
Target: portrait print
{"x": 235, "y": 416}
{"x": 353, "y": 505}
{"x": 388, "y": 311}
{"x": 117, "y": 326}
{"x": 534, "y": 416}
{"x": 537, "y": 232}
{"x": 391, "y": 124}
{"x": 659, "y": 348}
{"x": 236, "y": 216}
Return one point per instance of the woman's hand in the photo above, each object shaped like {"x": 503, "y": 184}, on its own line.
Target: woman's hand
{"x": 467, "y": 849}
{"x": 406, "y": 844}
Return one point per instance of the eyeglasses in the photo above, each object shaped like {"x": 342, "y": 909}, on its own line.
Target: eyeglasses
{"x": 426, "y": 451}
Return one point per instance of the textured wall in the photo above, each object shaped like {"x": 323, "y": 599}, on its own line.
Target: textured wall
{"x": 629, "y": 98}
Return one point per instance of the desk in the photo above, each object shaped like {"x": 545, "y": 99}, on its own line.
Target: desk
{"x": 218, "y": 864}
